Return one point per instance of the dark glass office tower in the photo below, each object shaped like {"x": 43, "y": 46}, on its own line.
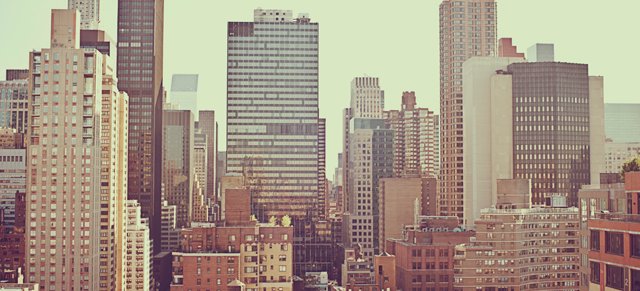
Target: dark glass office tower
{"x": 272, "y": 124}
{"x": 551, "y": 130}
{"x": 140, "y": 43}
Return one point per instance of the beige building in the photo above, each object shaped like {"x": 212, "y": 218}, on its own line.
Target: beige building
{"x": 137, "y": 250}
{"x": 113, "y": 178}
{"x": 467, "y": 28}
{"x": 76, "y": 142}
{"x": 488, "y": 146}
{"x": 400, "y": 201}
{"x": 520, "y": 248}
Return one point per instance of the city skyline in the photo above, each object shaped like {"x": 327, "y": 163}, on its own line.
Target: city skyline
{"x": 342, "y": 56}
{"x": 495, "y": 162}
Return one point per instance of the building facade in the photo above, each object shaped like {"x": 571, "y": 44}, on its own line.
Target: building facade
{"x": 137, "y": 263}
{"x": 212, "y": 256}
{"x": 140, "y": 68}
{"x": 184, "y": 92}
{"x": 519, "y": 247}
{"x": 77, "y": 90}
{"x": 425, "y": 253}
{"x": 622, "y": 122}
{"x": 113, "y": 180}
{"x": 610, "y": 224}
{"x": 506, "y": 49}
{"x": 13, "y": 175}
{"x": 371, "y": 159}
{"x": 178, "y": 166}
{"x": 618, "y": 153}
{"x": 558, "y": 130}
{"x": 401, "y": 200}
{"x": 488, "y": 132}
{"x": 541, "y": 52}
{"x": 16, "y": 74}
{"x": 170, "y": 232}
{"x": 414, "y": 136}
{"x": 14, "y": 98}
{"x": 367, "y": 99}
{"x": 89, "y": 12}
{"x": 272, "y": 121}
{"x": 200, "y": 157}
{"x": 208, "y": 125}
{"x": 12, "y": 243}
{"x": 467, "y": 28}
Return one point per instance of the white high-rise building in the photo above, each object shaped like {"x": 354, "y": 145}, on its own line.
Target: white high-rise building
{"x": 137, "y": 265}
{"x": 89, "y": 12}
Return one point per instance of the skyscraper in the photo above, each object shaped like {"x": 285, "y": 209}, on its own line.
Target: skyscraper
{"x": 178, "y": 167}
{"x": 488, "y": 132}
{"x": 75, "y": 133}
{"x": 371, "y": 158}
{"x": 467, "y": 28}
{"x": 208, "y": 125}
{"x": 558, "y": 130}
{"x": 115, "y": 118}
{"x": 414, "y": 139}
{"x": 367, "y": 101}
{"x": 272, "y": 119}
{"x": 89, "y": 12}
{"x": 140, "y": 52}
{"x": 540, "y": 121}
{"x": 184, "y": 92}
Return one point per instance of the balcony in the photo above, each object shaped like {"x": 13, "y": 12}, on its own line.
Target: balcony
{"x": 635, "y": 218}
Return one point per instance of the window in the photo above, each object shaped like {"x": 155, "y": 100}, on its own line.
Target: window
{"x": 635, "y": 278}
{"x": 635, "y": 245}
{"x": 615, "y": 277}
{"x": 614, "y": 243}
{"x": 595, "y": 272}
{"x": 595, "y": 240}
{"x": 282, "y": 268}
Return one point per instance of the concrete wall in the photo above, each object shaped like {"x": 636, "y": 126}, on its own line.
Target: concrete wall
{"x": 487, "y": 131}
{"x": 596, "y": 127}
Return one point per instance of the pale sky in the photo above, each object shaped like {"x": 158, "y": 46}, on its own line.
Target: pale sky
{"x": 394, "y": 40}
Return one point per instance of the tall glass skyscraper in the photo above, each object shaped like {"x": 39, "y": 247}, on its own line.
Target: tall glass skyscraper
{"x": 272, "y": 118}
{"x": 140, "y": 43}
{"x": 272, "y": 110}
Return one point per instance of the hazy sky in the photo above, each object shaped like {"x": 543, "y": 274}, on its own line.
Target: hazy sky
{"x": 394, "y": 40}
